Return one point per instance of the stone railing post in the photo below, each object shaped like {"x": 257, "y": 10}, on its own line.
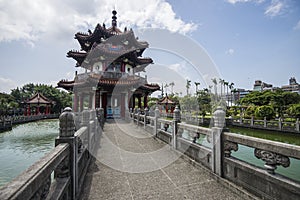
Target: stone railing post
{"x": 85, "y": 121}
{"x": 176, "y": 120}
{"x": 138, "y": 115}
{"x": 217, "y": 151}
{"x": 241, "y": 120}
{"x": 252, "y": 121}
{"x": 66, "y": 135}
{"x": 156, "y": 116}
{"x": 297, "y": 124}
{"x": 265, "y": 122}
{"x": 280, "y": 123}
{"x": 145, "y": 117}
{"x": 93, "y": 128}
{"x": 101, "y": 117}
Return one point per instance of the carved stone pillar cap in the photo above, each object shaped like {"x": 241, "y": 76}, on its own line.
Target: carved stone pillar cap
{"x": 219, "y": 117}
{"x": 177, "y": 116}
{"x": 66, "y": 123}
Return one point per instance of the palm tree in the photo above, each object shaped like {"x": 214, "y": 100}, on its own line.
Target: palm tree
{"x": 188, "y": 85}
{"x": 166, "y": 86}
{"x": 172, "y": 85}
{"x": 231, "y": 87}
{"x": 209, "y": 90}
{"x": 214, "y": 80}
{"x": 226, "y": 95}
{"x": 221, "y": 81}
{"x": 197, "y": 84}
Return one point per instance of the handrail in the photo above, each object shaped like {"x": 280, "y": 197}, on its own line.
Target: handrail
{"x": 35, "y": 177}
{"x": 284, "y": 149}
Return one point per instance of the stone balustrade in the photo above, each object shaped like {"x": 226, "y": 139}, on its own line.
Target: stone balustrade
{"x": 276, "y": 125}
{"x": 60, "y": 174}
{"x": 212, "y": 148}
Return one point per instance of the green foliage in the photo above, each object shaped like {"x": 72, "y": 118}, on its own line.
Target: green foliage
{"x": 234, "y": 110}
{"x": 8, "y": 104}
{"x": 250, "y": 111}
{"x": 204, "y": 102}
{"x": 188, "y": 103}
{"x": 294, "y": 110}
{"x": 265, "y": 111}
{"x": 278, "y": 99}
{"x": 60, "y": 98}
{"x": 152, "y": 101}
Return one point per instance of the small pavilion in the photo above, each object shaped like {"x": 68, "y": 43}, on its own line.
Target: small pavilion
{"x": 167, "y": 104}
{"x": 39, "y": 103}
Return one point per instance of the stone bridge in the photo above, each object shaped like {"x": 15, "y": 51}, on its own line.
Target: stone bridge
{"x": 150, "y": 157}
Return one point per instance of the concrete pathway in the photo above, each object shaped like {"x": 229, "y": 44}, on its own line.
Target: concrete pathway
{"x": 131, "y": 164}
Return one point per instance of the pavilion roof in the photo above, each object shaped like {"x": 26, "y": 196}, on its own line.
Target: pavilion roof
{"x": 109, "y": 44}
{"x": 97, "y": 79}
{"x": 38, "y": 99}
{"x": 166, "y": 100}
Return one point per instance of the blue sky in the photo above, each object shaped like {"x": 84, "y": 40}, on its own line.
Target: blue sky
{"x": 246, "y": 39}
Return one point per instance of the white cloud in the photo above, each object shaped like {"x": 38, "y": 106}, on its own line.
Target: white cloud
{"x": 32, "y": 20}
{"x": 244, "y": 1}
{"x": 6, "y": 85}
{"x": 274, "y": 9}
{"x": 297, "y": 26}
{"x": 229, "y": 51}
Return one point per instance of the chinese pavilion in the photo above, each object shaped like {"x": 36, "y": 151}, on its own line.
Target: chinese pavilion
{"x": 37, "y": 104}
{"x": 112, "y": 62}
{"x": 167, "y": 104}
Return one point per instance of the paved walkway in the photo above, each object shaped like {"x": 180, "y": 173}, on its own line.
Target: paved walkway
{"x": 133, "y": 165}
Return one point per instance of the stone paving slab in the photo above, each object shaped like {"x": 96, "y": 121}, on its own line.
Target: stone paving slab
{"x": 131, "y": 164}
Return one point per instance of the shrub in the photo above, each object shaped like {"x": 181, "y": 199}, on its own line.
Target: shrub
{"x": 294, "y": 110}
{"x": 250, "y": 111}
{"x": 265, "y": 111}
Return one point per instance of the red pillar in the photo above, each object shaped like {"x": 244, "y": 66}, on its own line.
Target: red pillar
{"x": 38, "y": 110}
{"x": 139, "y": 102}
{"x": 28, "y": 110}
{"x": 122, "y": 105}
{"x": 97, "y": 99}
{"x": 46, "y": 111}
{"x": 81, "y": 102}
{"x": 75, "y": 102}
{"x": 91, "y": 96}
{"x": 145, "y": 101}
{"x": 133, "y": 101}
{"x": 104, "y": 103}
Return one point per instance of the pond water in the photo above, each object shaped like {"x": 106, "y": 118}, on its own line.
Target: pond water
{"x": 24, "y": 145}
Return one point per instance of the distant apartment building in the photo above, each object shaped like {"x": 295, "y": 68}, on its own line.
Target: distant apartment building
{"x": 239, "y": 94}
{"x": 292, "y": 87}
{"x": 261, "y": 86}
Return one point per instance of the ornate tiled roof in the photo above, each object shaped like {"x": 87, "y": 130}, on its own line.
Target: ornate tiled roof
{"x": 38, "y": 99}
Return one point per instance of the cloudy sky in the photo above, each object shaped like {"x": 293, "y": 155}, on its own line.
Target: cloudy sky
{"x": 246, "y": 39}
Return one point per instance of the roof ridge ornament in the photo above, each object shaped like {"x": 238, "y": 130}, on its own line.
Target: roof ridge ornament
{"x": 114, "y": 19}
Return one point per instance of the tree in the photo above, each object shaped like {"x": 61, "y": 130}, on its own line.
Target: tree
{"x": 188, "y": 85}
{"x": 204, "y": 101}
{"x": 232, "y": 95}
{"x": 221, "y": 81}
{"x": 197, "y": 84}
{"x": 250, "y": 111}
{"x": 8, "y": 104}
{"x": 172, "y": 85}
{"x": 226, "y": 84}
{"x": 214, "y": 80}
{"x": 265, "y": 111}
{"x": 60, "y": 98}
{"x": 294, "y": 110}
